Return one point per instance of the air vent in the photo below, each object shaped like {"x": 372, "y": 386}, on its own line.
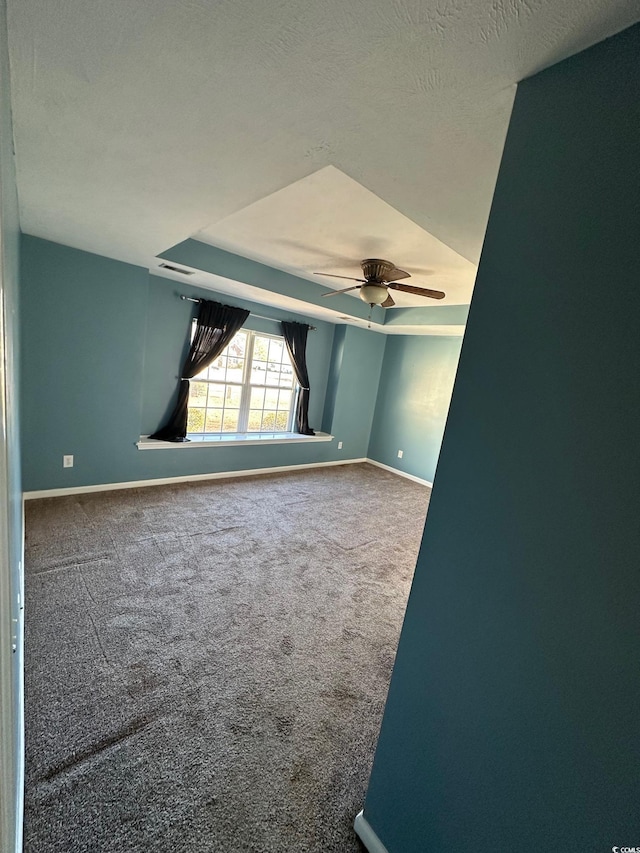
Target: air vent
{"x": 176, "y": 269}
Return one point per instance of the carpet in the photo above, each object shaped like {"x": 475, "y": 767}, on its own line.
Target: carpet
{"x": 207, "y": 663}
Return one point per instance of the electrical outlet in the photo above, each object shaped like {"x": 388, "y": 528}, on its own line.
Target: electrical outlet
{"x": 339, "y": 445}
{"x": 400, "y": 454}
{"x": 67, "y": 461}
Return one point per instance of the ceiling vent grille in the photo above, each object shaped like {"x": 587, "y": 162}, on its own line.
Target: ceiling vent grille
{"x": 176, "y": 269}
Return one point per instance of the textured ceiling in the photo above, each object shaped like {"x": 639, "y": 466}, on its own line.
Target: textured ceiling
{"x": 138, "y": 124}
{"x": 328, "y": 222}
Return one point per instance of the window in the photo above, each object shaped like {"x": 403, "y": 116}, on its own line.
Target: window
{"x": 250, "y": 387}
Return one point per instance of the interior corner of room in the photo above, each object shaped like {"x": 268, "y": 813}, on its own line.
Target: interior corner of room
{"x": 121, "y": 332}
{"x": 251, "y": 638}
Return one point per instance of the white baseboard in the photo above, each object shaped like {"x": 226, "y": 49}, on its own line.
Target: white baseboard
{"x": 367, "y": 835}
{"x": 218, "y": 475}
{"x": 401, "y": 473}
{"x": 188, "y": 478}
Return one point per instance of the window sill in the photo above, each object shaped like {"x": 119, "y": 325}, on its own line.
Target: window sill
{"x": 231, "y": 439}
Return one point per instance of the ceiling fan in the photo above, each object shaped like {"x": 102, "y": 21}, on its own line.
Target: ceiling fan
{"x": 380, "y": 277}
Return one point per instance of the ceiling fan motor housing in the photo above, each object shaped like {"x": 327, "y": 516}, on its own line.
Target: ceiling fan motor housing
{"x": 376, "y": 270}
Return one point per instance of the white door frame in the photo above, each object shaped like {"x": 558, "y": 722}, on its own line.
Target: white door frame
{"x": 11, "y": 524}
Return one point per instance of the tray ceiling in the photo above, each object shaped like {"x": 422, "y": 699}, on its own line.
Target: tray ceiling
{"x": 138, "y": 125}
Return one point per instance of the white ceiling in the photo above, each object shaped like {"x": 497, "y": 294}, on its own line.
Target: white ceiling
{"x": 328, "y": 222}
{"x": 141, "y": 123}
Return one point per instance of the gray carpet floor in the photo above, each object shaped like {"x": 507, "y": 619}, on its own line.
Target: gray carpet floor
{"x": 207, "y": 663}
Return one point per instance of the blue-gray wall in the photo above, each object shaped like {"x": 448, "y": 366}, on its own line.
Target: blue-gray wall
{"x": 102, "y": 345}
{"x": 413, "y": 401}
{"x": 83, "y": 337}
{"x": 354, "y": 389}
{"x": 11, "y": 533}
{"x": 512, "y": 717}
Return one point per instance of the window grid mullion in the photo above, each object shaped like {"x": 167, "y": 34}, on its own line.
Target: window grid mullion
{"x": 294, "y": 405}
{"x": 245, "y": 397}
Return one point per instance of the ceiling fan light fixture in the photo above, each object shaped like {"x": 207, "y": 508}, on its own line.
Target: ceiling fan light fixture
{"x": 380, "y": 277}
{"x": 374, "y": 294}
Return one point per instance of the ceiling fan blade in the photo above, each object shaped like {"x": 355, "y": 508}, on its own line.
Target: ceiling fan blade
{"x": 348, "y": 277}
{"x": 396, "y": 275}
{"x": 388, "y": 302}
{"x": 335, "y": 292}
{"x": 417, "y": 291}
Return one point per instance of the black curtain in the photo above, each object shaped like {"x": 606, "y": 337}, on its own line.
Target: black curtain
{"x": 216, "y": 325}
{"x": 295, "y": 337}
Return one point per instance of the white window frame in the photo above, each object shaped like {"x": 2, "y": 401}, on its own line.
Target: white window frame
{"x": 246, "y": 387}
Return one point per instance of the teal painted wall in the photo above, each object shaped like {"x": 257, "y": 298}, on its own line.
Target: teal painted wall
{"x": 83, "y": 334}
{"x": 102, "y": 345}
{"x": 512, "y": 716}
{"x": 413, "y": 401}
{"x": 430, "y": 315}
{"x": 355, "y": 388}
{"x": 11, "y": 530}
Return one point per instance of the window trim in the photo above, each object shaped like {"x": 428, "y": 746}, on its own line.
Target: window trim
{"x": 232, "y": 439}
{"x": 246, "y": 387}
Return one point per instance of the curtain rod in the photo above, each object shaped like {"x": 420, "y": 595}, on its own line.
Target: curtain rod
{"x": 259, "y": 316}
